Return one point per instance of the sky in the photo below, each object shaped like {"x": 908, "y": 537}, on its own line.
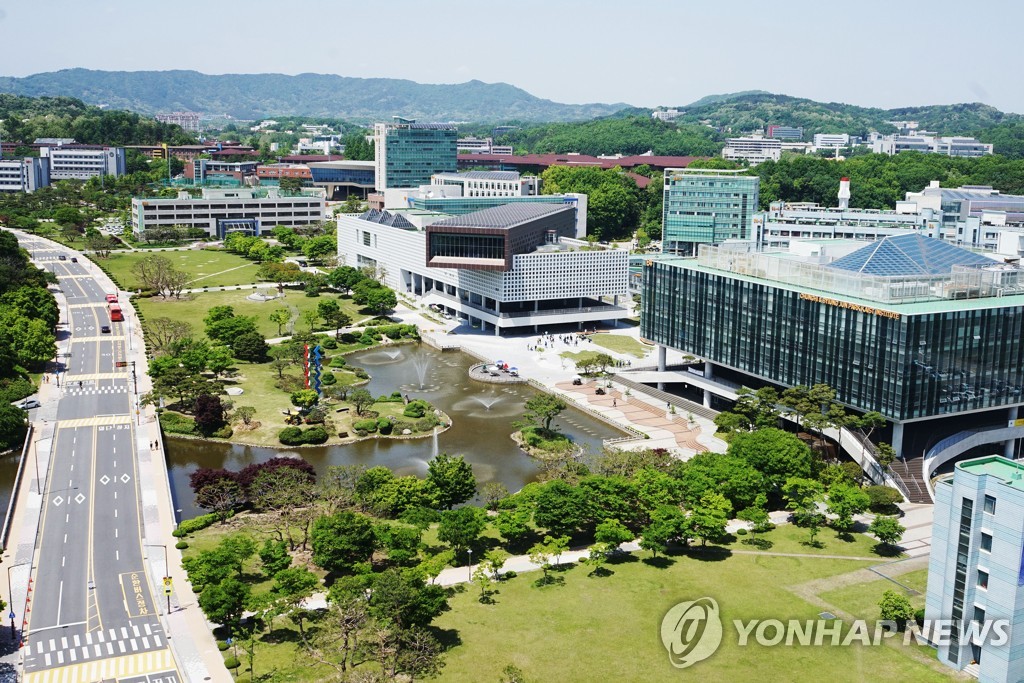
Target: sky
{"x": 645, "y": 53}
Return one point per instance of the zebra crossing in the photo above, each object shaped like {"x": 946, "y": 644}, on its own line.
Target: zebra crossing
{"x": 96, "y": 645}
{"x": 75, "y": 391}
{"x": 144, "y": 667}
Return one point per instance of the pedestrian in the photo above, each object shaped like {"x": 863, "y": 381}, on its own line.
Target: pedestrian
{"x": 613, "y": 403}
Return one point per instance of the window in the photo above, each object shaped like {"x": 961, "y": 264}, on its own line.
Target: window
{"x": 986, "y": 542}
{"x": 979, "y": 614}
{"x": 366, "y": 238}
{"x": 982, "y": 580}
{"x": 990, "y": 505}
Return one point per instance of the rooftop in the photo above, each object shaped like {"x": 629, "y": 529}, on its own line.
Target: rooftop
{"x": 483, "y": 175}
{"x": 1007, "y": 471}
{"x": 505, "y": 216}
{"x": 912, "y": 254}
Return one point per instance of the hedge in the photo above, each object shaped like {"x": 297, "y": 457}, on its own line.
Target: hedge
{"x": 368, "y": 426}
{"x": 189, "y": 526}
{"x": 177, "y": 424}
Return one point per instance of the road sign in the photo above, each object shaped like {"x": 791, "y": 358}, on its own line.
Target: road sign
{"x": 11, "y": 615}
{"x": 167, "y": 585}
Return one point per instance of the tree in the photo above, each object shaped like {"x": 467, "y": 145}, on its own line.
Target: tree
{"x": 541, "y": 554}
{"x": 776, "y": 454}
{"x": 542, "y": 408}
{"x": 274, "y": 557}
{"x": 342, "y": 540}
{"x": 756, "y": 514}
{"x": 250, "y": 346}
{"x": 560, "y": 508}
{"x": 318, "y": 249}
{"x": 887, "y": 530}
{"x": 896, "y": 607}
{"x": 310, "y": 318}
{"x": 374, "y": 296}
{"x": 219, "y": 360}
{"x": 492, "y": 493}
{"x": 731, "y": 475}
{"x": 403, "y": 543}
{"x": 361, "y": 399}
{"x": 221, "y": 496}
{"x": 209, "y": 413}
{"x": 655, "y": 537}
{"x": 305, "y": 399}
{"x": 612, "y": 533}
{"x": 845, "y": 501}
{"x": 13, "y": 426}
{"x": 280, "y": 317}
{"x": 452, "y": 478}
{"x": 225, "y": 602}
{"x": 513, "y": 525}
{"x": 294, "y": 585}
{"x": 402, "y": 599}
{"x": 330, "y": 311}
{"x": 803, "y": 496}
{"x": 598, "y": 557}
{"x": 886, "y": 455}
{"x": 709, "y": 518}
{"x": 245, "y": 414}
{"x": 460, "y": 528}
{"x": 289, "y": 492}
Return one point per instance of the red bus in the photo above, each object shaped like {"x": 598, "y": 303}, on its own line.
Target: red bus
{"x": 115, "y": 313}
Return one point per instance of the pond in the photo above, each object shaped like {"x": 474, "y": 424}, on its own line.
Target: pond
{"x": 482, "y": 417}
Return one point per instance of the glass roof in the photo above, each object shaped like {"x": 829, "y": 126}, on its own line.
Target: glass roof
{"x": 909, "y": 255}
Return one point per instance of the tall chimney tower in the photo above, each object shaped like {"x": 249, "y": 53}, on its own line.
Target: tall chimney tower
{"x": 844, "y": 193}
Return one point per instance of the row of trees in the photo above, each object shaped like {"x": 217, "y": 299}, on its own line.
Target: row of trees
{"x": 615, "y": 205}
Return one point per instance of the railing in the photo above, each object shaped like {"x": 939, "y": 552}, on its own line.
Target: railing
{"x": 593, "y": 413}
{"x": 5, "y": 532}
{"x": 523, "y": 314}
{"x": 678, "y": 402}
{"x": 956, "y": 438}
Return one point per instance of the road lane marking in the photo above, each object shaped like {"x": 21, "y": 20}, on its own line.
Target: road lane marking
{"x": 60, "y": 598}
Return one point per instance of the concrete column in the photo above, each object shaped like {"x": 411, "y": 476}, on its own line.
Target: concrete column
{"x": 497, "y": 330}
{"x": 707, "y": 398}
{"x": 615, "y": 300}
{"x": 1008, "y": 447}
{"x": 897, "y": 439}
{"x": 709, "y": 370}
{"x": 662, "y": 357}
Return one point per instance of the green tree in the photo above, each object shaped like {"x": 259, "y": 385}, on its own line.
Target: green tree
{"x": 402, "y": 599}
{"x": 219, "y": 360}
{"x": 886, "y": 455}
{"x": 709, "y": 518}
{"x": 403, "y": 543}
{"x": 513, "y": 525}
{"x": 310, "y": 318}
{"x": 845, "y": 501}
{"x": 245, "y": 414}
{"x": 612, "y": 533}
{"x": 452, "y": 479}
{"x": 542, "y": 408}
{"x": 776, "y": 454}
{"x": 13, "y": 426}
{"x": 274, "y": 557}
{"x": 560, "y": 508}
{"x": 361, "y": 399}
{"x": 803, "y": 496}
{"x": 250, "y": 346}
{"x": 896, "y": 607}
{"x": 460, "y": 528}
{"x": 887, "y": 530}
{"x": 305, "y": 399}
{"x": 342, "y": 540}
{"x": 293, "y": 586}
{"x": 280, "y": 317}
{"x": 225, "y": 602}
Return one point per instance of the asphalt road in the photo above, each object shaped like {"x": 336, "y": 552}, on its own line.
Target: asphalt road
{"x": 91, "y": 597}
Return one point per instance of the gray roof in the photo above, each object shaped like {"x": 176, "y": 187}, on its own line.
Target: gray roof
{"x": 394, "y": 220}
{"x": 484, "y": 175}
{"x": 909, "y": 255}
{"x": 505, "y": 216}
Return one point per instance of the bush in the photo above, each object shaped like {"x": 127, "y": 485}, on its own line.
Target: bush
{"x": 366, "y": 426}
{"x": 883, "y": 499}
{"x": 510, "y": 574}
{"x": 177, "y": 424}
{"x": 222, "y": 645}
{"x": 328, "y": 378}
{"x": 742, "y": 532}
{"x": 425, "y": 424}
{"x": 315, "y": 435}
{"x": 360, "y": 373}
{"x": 349, "y": 338}
{"x": 181, "y": 545}
{"x": 337, "y": 362}
{"x": 329, "y": 344}
{"x": 290, "y": 436}
{"x": 416, "y": 408}
{"x": 224, "y": 432}
{"x": 232, "y": 662}
{"x": 316, "y": 416}
{"x": 367, "y": 340}
{"x": 189, "y": 526}
{"x": 384, "y": 425}
{"x": 15, "y": 390}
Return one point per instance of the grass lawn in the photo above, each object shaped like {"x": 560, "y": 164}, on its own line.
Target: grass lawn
{"x": 621, "y": 344}
{"x": 607, "y": 629}
{"x": 861, "y": 599}
{"x": 208, "y": 267}
{"x": 789, "y": 538}
{"x": 193, "y": 308}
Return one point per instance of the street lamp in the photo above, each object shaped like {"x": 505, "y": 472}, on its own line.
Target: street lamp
{"x": 470, "y": 550}
{"x": 10, "y": 594}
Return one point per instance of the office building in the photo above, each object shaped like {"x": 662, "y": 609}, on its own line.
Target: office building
{"x": 481, "y": 146}
{"x": 24, "y": 175}
{"x": 666, "y": 114}
{"x": 753, "y": 150}
{"x": 459, "y": 206}
{"x": 511, "y": 267}
{"x": 340, "y": 179}
{"x": 831, "y": 140}
{"x": 487, "y": 183}
{"x": 912, "y": 327}
{"x": 704, "y": 206}
{"x": 930, "y": 144}
{"x": 212, "y": 172}
{"x": 220, "y": 211}
{"x": 82, "y": 163}
{"x": 785, "y": 133}
{"x": 408, "y": 153}
{"x": 188, "y": 120}
{"x": 975, "y": 571}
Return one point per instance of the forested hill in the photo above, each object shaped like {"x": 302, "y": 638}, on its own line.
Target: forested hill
{"x": 26, "y": 118}
{"x": 744, "y": 112}
{"x": 249, "y": 96}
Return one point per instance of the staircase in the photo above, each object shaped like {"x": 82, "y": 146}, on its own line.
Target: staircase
{"x": 909, "y": 471}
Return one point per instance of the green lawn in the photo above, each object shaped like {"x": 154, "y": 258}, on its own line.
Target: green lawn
{"x": 789, "y": 538}
{"x": 208, "y": 267}
{"x": 621, "y": 344}
{"x": 861, "y": 599}
{"x": 193, "y": 308}
{"x": 606, "y": 629}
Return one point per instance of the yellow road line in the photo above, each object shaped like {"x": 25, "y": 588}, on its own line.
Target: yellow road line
{"x": 120, "y": 374}
{"x": 96, "y": 305}
{"x": 115, "y": 667}
{"x": 97, "y": 339}
{"x": 101, "y": 421}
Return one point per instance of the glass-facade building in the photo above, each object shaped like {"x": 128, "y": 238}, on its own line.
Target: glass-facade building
{"x": 707, "y": 206}
{"x": 408, "y": 153}
{"x": 911, "y": 345}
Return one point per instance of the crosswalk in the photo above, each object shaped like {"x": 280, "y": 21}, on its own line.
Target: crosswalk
{"x": 137, "y": 665}
{"x": 94, "y": 645}
{"x": 100, "y": 421}
{"x": 75, "y": 391}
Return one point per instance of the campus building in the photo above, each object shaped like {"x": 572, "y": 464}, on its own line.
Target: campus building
{"x": 210, "y": 171}
{"x": 24, "y": 175}
{"x": 188, "y": 120}
{"x": 339, "y": 178}
{"x": 487, "y": 183}
{"x": 511, "y": 267}
{"x": 220, "y": 211}
{"x": 705, "y": 206}
{"x": 753, "y": 150}
{"x": 976, "y": 568}
{"x": 785, "y": 132}
{"x": 82, "y": 163}
{"x": 930, "y": 144}
{"x": 408, "y": 153}
{"x": 912, "y": 327}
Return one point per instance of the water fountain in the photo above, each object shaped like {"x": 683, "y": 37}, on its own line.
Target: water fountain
{"x": 422, "y": 365}
{"x": 434, "y": 448}
{"x": 393, "y": 353}
{"x": 488, "y": 401}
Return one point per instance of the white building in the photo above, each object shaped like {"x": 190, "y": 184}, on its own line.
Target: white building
{"x": 24, "y": 175}
{"x": 188, "y": 120}
{"x": 509, "y": 267}
{"x": 930, "y": 144}
{"x": 666, "y": 114}
{"x": 82, "y": 163}
{"x": 487, "y": 183}
{"x": 220, "y": 211}
{"x": 753, "y": 150}
{"x": 831, "y": 140}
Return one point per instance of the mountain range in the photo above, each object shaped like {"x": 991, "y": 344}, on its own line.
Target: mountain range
{"x": 253, "y": 96}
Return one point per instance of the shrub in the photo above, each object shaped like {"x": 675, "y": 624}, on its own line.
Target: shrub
{"x": 329, "y": 344}
{"x": 384, "y": 425}
{"x": 883, "y": 499}
{"x": 349, "y": 338}
{"x": 189, "y": 526}
{"x": 337, "y": 362}
{"x": 232, "y": 662}
{"x": 222, "y": 645}
{"x": 360, "y": 373}
{"x": 510, "y": 574}
{"x": 328, "y": 378}
{"x": 425, "y": 424}
{"x": 316, "y": 416}
{"x": 290, "y": 436}
{"x": 367, "y": 426}
{"x": 742, "y": 532}
{"x": 177, "y": 424}
{"x": 315, "y": 435}
{"x": 416, "y": 408}
{"x": 224, "y": 432}
{"x": 181, "y": 545}
{"x": 367, "y": 340}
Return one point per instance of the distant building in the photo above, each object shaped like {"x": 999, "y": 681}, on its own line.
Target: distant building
{"x": 753, "y": 150}
{"x": 188, "y": 120}
{"x": 705, "y": 206}
{"x": 481, "y": 146}
{"x": 82, "y": 163}
{"x": 408, "y": 153}
{"x": 971, "y": 215}
{"x": 538, "y": 162}
{"x": 220, "y": 211}
{"x": 24, "y": 175}
{"x": 498, "y": 131}
{"x": 510, "y": 267}
{"x": 929, "y": 144}
{"x": 666, "y": 114}
{"x": 785, "y": 133}
{"x": 831, "y": 140}
{"x": 976, "y": 573}
{"x": 339, "y": 178}
{"x": 487, "y": 183}
{"x": 211, "y": 171}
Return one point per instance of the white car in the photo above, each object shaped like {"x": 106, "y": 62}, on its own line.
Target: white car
{"x": 29, "y": 404}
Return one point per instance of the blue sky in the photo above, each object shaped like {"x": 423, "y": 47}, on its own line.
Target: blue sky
{"x": 646, "y": 52}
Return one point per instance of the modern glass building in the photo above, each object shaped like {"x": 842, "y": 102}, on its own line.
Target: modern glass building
{"x": 706, "y": 206}
{"x": 408, "y": 153}
{"x": 909, "y": 326}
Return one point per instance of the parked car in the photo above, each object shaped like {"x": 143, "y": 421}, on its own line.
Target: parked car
{"x": 29, "y": 404}
{"x": 105, "y": 329}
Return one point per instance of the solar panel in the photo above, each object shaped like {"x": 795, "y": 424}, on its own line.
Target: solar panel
{"x": 908, "y": 255}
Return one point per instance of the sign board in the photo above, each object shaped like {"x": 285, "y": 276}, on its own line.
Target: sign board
{"x": 167, "y": 585}
{"x": 1017, "y": 423}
